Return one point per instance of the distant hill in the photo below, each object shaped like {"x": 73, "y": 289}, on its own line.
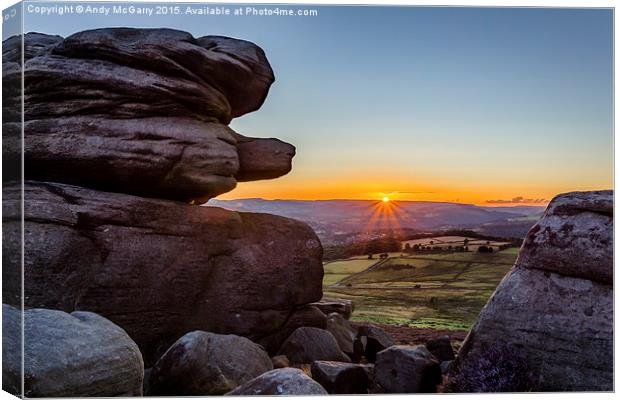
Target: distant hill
{"x": 333, "y": 219}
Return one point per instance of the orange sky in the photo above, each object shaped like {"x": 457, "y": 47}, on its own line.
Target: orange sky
{"x": 521, "y": 187}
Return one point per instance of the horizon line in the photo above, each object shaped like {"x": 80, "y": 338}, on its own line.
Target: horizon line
{"x": 492, "y": 205}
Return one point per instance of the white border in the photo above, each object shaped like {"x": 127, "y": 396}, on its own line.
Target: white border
{"x": 471, "y": 3}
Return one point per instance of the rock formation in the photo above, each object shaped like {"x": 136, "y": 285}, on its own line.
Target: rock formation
{"x": 77, "y": 355}
{"x": 126, "y": 132}
{"x": 554, "y": 308}
{"x": 140, "y": 111}
{"x": 158, "y": 268}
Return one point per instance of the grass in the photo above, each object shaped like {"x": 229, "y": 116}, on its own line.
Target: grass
{"x": 442, "y": 291}
{"x": 511, "y": 250}
{"x": 348, "y": 266}
{"x": 338, "y": 270}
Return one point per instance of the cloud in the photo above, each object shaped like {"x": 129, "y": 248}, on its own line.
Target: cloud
{"x": 518, "y": 200}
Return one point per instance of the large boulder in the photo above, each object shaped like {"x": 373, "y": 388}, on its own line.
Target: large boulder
{"x": 407, "y": 369}
{"x": 69, "y": 355}
{"x": 158, "y": 268}
{"x": 203, "y": 363}
{"x": 308, "y": 344}
{"x": 340, "y": 377}
{"x": 138, "y": 111}
{"x": 280, "y": 382}
{"x": 555, "y": 307}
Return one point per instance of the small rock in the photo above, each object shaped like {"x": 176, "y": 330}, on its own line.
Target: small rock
{"x": 307, "y": 345}
{"x": 446, "y": 367}
{"x": 343, "y": 331}
{"x": 280, "y": 361}
{"x": 281, "y": 382}
{"x": 340, "y": 306}
{"x": 341, "y": 378}
{"x": 441, "y": 348}
{"x": 407, "y": 369}
{"x": 303, "y": 316}
{"x": 203, "y": 363}
{"x": 376, "y": 340}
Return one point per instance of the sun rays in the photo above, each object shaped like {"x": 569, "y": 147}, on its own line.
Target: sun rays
{"x": 385, "y": 214}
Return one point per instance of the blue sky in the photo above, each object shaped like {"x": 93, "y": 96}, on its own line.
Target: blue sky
{"x": 450, "y": 103}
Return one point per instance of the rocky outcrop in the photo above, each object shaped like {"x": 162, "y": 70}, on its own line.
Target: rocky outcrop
{"x": 203, "y": 364}
{"x": 158, "y": 268}
{"x": 125, "y": 133}
{"x": 307, "y": 345}
{"x": 407, "y": 369}
{"x": 554, "y": 308}
{"x": 70, "y": 355}
{"x": 280, "y": 382}
{"x": 139, "y": 111}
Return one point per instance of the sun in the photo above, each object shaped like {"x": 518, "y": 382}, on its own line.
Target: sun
{"x": 385, "y": 199}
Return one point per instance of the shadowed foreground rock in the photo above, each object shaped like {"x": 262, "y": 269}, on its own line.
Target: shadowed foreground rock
{"x": 280, "y": 382}
{"x": 555, "y": 307}
{"x": 203, "y": 363}
{"x": 307, "y": 315}
{"x": 341, "y": 378}
{"x": 407, "y": 369}
{"x": 374, "y": 340}
{"x": 139, "y": 111}
{"x": 441, "y": 348}
{"x": 344, "y": 333}
{"x": 157, "y": 268}
{"x": 71, "y": 355}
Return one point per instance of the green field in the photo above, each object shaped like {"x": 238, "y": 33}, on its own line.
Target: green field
{"x": 443, "y": 291}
